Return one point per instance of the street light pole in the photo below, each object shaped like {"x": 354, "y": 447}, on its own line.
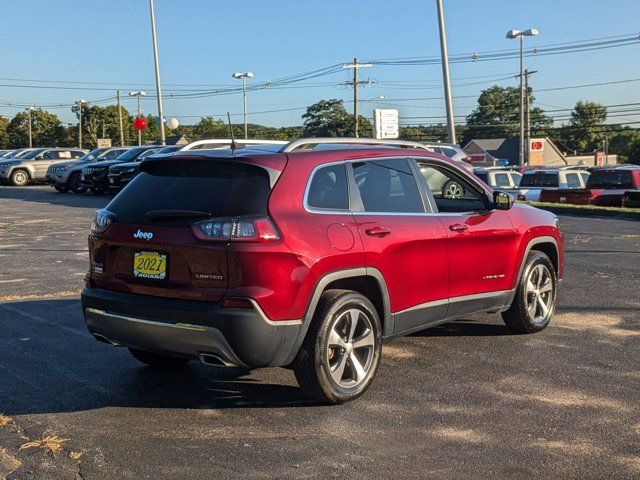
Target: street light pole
{"x": 157, "y": 68}
{"x": 451, "y": 127}
{"x": 244, "y": 106}
{"x": 243, "y": 77}
{"x": 512, "y": 34}
{"x": 138, "y": 95}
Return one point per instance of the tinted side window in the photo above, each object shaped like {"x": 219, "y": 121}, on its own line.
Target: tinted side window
{"x": 387, "y": 186}
{"x": 328, "y": 189}
{"x": 572, "y": 180}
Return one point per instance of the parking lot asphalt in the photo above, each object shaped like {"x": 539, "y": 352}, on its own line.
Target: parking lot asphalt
{"x": 463, "y": 400}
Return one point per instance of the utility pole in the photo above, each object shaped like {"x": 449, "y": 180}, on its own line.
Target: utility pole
{"x": 120, "y": 129}
{"x": 451, "y": 127}
{"x": 355, "y": 65}
{"x": 512, "y": 35}
{"x": 80, "y": 103}
{"x": 30, "y": 132}
{"x": 157, "y": 68}
{"x": 527, "y": 106}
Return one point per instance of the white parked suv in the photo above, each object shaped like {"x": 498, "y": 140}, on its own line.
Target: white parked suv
{"x": 535, "y": 180}
{"x": 499, "y": 178}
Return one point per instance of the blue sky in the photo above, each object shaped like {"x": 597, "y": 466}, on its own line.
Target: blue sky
{"x": 203, "y": 41}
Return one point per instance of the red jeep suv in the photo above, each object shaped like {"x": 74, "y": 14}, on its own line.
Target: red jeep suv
{"x": 310, "y": 257}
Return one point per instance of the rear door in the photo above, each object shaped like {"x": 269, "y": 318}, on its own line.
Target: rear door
{"x": 402, "y": 240}
{"x": 481, "y": 242}
{"x": 171, "y": 227}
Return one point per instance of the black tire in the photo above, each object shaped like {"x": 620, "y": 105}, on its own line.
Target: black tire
{"x": 313, "y": 364}
{"x": 453, "y": 189}
{"x": 76, "y": 184}
{"x": 61, "y": 188}
{"x": 19, "y": 177}
{"x": 519, "y": 318}
{"x": 157, "y": 360}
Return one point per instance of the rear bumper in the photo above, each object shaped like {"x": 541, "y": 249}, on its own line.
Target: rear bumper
{"x": 243, "y": 337}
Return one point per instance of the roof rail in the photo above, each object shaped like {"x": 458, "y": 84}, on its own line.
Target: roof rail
{"x": 311, "y": 143}
{"x": 225, "y": 142}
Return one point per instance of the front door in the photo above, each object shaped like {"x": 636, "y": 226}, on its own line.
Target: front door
{"x": 402, "y": 240}
{"x": 481, "y": 245}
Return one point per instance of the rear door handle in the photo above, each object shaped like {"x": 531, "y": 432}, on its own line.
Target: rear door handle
{"x": 458, "y": 227}
{"x": 377, "y": 232}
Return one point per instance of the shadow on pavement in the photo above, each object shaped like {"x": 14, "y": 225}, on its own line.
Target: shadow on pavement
{"x": 46, "y": 194}
{"x": 50, "y": 363}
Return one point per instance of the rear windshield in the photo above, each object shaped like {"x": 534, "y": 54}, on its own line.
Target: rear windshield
{"x": 221, "y": 188}
{"x": 539, "y": 179}
{"x": 610, "y": 179}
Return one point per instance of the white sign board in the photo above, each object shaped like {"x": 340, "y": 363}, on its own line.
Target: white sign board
{"x": 104, "y": 142}
{"x": 385, "y": 123}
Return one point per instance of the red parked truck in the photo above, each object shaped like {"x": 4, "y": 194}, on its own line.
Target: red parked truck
{"x": 605, "y": 187}
{"x": 310, "y": 256}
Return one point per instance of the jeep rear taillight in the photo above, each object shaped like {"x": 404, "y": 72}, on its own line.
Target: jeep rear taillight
{"x": 236, "y": 230}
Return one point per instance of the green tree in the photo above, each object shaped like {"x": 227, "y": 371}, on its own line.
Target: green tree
{"x": 329, "y": 118}
{"x": 583, "y": 132}
{"x": 4, "y": 136}
{"x": 498, "y": 115}
{"x": 46, "y": 130}
{"x": 208, "y": 127}
{"x": 102, "y": 122}
{"x": 625, "y": 144}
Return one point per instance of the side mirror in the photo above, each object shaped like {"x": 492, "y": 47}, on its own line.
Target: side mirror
{"x": 502, "y": 200}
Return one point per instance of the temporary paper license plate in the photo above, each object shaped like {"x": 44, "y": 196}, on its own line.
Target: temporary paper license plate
{"x": 150, "y": 265}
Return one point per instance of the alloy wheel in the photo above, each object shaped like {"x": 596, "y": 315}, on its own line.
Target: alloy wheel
{"x": 539, "y": 294}
{"x": 453, "y": 190}
{"x": 350, "y": 348}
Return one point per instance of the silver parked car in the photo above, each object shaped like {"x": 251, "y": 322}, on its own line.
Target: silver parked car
{"x": 32, "y": 166}
{"x": 66, "y": 176}
{"x": 452, "y": 151}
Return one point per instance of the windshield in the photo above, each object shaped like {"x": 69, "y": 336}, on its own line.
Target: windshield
{"x": 91, "y": 155}
{"x": 131, "y": 155}
{"x": 32, "y": 153}
{"x": 610, "y": 179}
{"x": 222, "y": 189}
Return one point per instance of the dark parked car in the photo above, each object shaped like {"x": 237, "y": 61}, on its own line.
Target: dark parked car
{"x": 95, "y": 176}
{"x": 122, "y": 173}
{"x": 310, "y": 259}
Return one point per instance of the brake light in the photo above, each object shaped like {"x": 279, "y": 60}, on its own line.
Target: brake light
{"x": 101, "y": 221}
{"x": 236, "y": 230}
{"x": 521, "y": 197}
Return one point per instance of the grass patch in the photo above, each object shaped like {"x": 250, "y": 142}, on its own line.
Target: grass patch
{"x": 4, "y": 420}
{"x": 75, "y": 456}
{"x": 594, "y": 208}
{"x": 49, "y": 443}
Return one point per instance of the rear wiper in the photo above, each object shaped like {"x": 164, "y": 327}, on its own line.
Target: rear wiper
{"x": 169, "y": 214}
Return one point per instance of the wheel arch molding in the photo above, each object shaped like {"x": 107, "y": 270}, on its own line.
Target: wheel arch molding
{"x": 544, "y": 243}
{"x": 365, "y": 280}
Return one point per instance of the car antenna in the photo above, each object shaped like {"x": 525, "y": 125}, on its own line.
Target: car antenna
{"x": 233, "y": 140}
